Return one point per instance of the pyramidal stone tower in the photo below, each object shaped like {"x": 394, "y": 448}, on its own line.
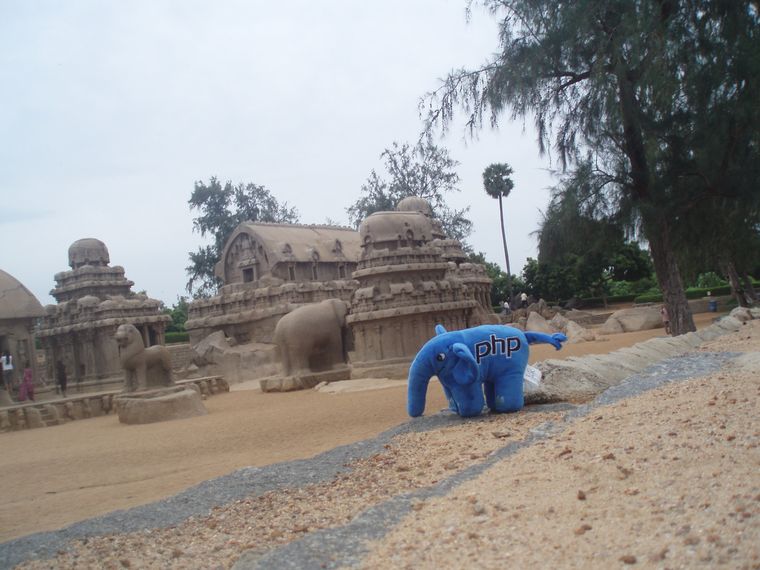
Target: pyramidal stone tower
{"x": 93, "y": 300}
{"x": 405, "y": 288}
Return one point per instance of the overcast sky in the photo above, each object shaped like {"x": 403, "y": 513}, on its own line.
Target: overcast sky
{"x": 109, "y": 111}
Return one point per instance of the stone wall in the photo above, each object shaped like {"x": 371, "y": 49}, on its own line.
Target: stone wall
{"x": 182, "y": 355}
{"x": 56, "y": 412}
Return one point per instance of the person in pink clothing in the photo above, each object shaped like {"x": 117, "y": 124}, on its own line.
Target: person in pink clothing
{"x": 26, "y": 390}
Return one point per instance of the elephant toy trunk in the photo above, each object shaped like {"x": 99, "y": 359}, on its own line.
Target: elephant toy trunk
{"x": 419, "y": 378}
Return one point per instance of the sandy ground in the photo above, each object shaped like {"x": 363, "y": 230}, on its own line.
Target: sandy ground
{"x": 668, "y": 479}
{"x": 60, "y": 475}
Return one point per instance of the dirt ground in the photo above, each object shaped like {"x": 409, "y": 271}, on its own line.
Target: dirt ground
{"x": 55, "y": 476}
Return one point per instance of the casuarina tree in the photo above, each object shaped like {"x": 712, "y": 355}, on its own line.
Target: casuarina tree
{"x": 608, "y": 81}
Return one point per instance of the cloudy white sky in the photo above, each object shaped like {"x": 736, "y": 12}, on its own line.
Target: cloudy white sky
{"x": 109, "y": 111}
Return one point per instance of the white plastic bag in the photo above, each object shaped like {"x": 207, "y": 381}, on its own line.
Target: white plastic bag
{"x": 531, "y": 380}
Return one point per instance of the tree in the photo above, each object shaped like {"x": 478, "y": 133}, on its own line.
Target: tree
{"x": 575, "y": 237}
{"x": 609, "y": 78}
{"x": 222, "y": 209}
{"x": 715, "y": 148}
{"x": 550, "y": 281}
{"x": 424, "y": 170}
{"x": 178, "y": 313}
{"x": 497, "y": 180}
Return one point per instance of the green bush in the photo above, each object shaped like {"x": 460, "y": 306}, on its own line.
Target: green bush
{"x": 621, "y": 288}
{"x": 708, "y": 280}
{"x": 649, "y": 298}
{"x": 176, "y": 337}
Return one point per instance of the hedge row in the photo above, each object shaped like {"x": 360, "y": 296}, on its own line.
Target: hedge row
{"x": 176, "y": 337}
{"x": 691, "y": 293}
{"x": 589, "y": 302}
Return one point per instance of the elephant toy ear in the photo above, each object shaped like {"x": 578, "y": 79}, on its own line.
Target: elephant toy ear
{"x": 439, "y": 330}
{"x": 466, "y": 369}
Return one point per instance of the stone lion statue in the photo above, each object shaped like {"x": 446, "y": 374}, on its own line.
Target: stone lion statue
{"x": 144, "y": 368}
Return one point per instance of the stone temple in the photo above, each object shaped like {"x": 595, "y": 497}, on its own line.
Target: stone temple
{"x": 93, "y": 300}
{"x": 19, "y": 311}
{"x": 409, "y": 281}
{"x": 269, "y": 269}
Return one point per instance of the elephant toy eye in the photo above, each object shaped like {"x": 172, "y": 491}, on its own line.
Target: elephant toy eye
{"x": 440, "y": 357}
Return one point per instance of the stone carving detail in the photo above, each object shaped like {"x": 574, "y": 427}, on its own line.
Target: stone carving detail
{"x": 144, "y": 368}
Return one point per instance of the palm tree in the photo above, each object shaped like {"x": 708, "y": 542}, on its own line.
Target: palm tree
{"x": 498, "y": 184}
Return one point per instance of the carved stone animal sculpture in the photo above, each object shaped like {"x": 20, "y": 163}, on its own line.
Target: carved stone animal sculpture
{"x": 143, "y": 367}
{"x": 488, "y": 359}
{"x": 312, "y": 338}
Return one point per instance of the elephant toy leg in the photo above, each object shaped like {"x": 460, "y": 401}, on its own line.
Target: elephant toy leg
{"x": 449, "y": 398}
{"x": 508, "y": 393}
{"x": 490, "y": 389}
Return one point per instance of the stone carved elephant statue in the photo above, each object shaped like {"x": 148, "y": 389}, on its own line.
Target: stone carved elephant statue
{"x": 488, "y": 359}
{"x": 313, "y": 338}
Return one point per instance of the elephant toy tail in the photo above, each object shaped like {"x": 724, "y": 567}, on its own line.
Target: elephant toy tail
{"x": 555, "y": 339}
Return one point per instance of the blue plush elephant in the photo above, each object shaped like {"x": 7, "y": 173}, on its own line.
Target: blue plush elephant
{"x": 469, "y": 362}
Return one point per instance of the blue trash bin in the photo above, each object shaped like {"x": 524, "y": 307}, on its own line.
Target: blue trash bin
{"x": 712, "y": 306}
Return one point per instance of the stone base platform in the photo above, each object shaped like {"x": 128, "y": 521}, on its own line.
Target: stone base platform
{"x": 47, "y": 412}
{"x": 303, "y": 381}
{"x": 395, "y": 368}
{"x": 172, "y": 403}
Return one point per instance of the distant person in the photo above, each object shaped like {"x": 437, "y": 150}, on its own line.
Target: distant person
{"x": 60, "y": 377}
{"x": 26, "y": 390}
{"x": 506, "y": 308}
{"x": 665, "y": 319}
{"x": 8, "y": 377}
{"x": 523, "y": 299}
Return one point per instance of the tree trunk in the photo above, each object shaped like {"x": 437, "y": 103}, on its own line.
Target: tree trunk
{"x": 669, "y": 279}
{"x": 506, "y": 253}
{"x": 655, "y": 225}
{"x": 729, "y": 270}
{"x": 749, "y": 288}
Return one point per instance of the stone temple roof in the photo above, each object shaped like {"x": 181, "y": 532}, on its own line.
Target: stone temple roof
{"x": 88, "y": 251}
{"x": 16, "y": 301}
{"x": 415, "y": 204}
{"x": 296, "y": 242}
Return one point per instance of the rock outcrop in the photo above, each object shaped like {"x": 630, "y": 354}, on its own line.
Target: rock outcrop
{"x": 631, "y": 320}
